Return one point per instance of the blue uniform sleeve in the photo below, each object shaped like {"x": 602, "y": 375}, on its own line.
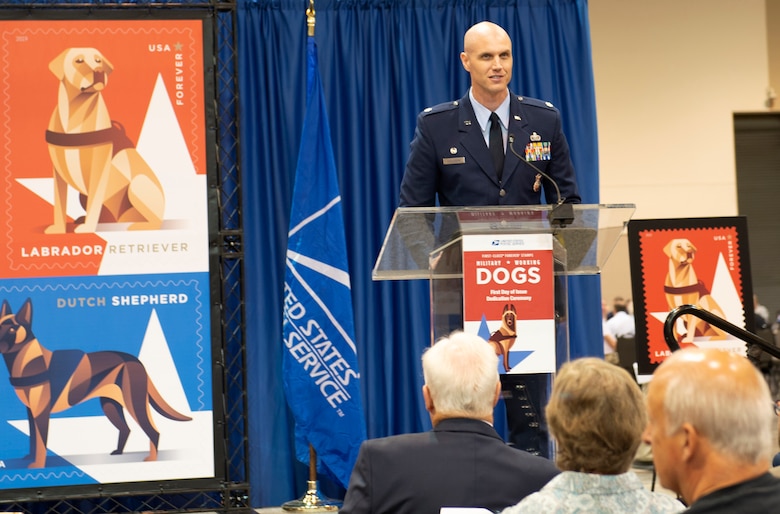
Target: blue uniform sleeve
{"x": 418, "y": 187}
{"x": 562, "y": 169}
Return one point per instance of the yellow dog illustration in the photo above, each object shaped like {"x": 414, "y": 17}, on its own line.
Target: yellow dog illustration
{"x": 682, "y": 286}
{"x": 91, "y": 153}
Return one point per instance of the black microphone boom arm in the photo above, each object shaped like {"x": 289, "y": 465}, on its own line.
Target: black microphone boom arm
{"x": 562, "y": 213}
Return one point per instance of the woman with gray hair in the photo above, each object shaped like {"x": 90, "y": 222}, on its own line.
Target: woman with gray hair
{"x": 596, "y": 415}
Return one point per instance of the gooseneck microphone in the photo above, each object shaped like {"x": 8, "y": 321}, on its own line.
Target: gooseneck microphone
{"x": 561, "y": 213}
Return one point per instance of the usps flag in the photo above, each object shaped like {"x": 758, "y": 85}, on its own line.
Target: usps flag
{"x": 321, "y": 377}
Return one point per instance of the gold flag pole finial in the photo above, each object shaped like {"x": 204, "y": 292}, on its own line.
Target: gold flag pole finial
{"x": 310, "y": 17}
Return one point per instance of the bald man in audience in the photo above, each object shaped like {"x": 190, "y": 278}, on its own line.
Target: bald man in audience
{"x": 711, "y": 424}
{"x": 462, "y": 462}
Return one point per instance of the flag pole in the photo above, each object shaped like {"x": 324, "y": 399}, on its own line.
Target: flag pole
{"x": 312, "y": 501}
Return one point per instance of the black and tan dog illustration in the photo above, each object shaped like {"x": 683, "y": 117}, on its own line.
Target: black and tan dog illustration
{"x": 49, "y": 381}
{"x": 91, "y": 153}
{"x": 503, "y": 338}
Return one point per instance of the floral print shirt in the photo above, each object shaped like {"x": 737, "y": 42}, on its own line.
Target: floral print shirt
{"x": 574, "y": 493}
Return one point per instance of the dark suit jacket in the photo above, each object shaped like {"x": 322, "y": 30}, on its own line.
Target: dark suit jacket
{"x": 460, "y": 463}
{"x": 449, "y": 157}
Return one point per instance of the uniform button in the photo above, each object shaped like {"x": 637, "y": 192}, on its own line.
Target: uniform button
{"x": 502, "y": 192}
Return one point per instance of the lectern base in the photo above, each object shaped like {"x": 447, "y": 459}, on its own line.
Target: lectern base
{"x": 525, "y": 397}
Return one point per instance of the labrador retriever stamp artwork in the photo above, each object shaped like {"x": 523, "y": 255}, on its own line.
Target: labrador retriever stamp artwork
{"x": 701, "y": 262}
{"x": 104, "y": 147}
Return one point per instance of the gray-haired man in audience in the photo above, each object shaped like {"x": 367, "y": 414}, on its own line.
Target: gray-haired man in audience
{"x": 462, "y": 462}
{"x": 711, "y": 425}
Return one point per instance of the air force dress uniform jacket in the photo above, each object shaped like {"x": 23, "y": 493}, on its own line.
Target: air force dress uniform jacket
{"x": 449, "y": 157}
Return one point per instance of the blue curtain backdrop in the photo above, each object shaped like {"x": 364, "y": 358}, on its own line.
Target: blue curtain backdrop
{"x": 381, "y": 62}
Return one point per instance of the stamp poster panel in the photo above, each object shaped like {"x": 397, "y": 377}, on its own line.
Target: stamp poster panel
{"x": 105, "y": 260}
{"x": 701, "y": 262}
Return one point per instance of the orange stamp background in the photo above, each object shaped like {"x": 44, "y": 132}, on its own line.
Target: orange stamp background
{"x": 138, "y": 52}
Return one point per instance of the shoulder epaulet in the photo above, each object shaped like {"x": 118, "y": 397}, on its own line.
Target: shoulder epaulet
{"x": 535, "y": 102}
{"x": 447, "y": 106}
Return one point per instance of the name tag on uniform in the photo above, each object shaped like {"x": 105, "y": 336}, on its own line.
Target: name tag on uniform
{"x": 453, "y": 160}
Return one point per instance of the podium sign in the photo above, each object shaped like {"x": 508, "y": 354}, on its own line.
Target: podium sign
{"x": 508, "y": 292}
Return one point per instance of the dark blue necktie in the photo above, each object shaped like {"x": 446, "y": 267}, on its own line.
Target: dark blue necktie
{"x": 496, "y": 144}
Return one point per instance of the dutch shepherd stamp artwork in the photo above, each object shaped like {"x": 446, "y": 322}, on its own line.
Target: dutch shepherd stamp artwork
{"x": 47, "y": 381}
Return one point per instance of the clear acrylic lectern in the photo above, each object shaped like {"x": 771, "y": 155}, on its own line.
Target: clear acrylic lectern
{"x": 427, "y": 243}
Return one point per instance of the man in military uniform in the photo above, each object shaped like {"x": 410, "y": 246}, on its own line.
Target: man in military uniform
{"x": 451, "y": 156}
{"x": 491, "y": 147}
